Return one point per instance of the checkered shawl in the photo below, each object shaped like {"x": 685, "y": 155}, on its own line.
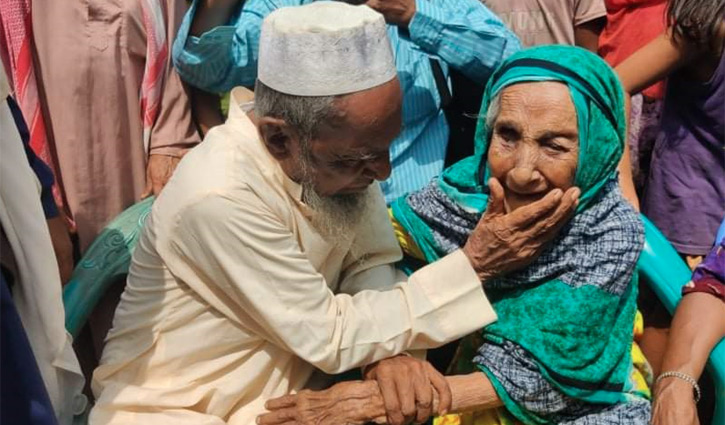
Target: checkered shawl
{"x": 561, "y": 347}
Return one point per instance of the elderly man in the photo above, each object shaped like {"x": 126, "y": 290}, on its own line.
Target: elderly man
{"x": 217, "y": 49}
{"x": 270, "y": 252}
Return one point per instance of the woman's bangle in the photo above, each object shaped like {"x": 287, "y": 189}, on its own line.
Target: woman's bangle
{"x": 685, "y": 377}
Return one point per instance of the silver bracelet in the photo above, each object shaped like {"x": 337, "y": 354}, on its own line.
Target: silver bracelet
{"x": 685, "y": 377}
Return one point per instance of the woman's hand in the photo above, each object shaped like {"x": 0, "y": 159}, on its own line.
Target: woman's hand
{"x": 504, "y": 242}
{"x": 347, "y": 403}
{"x": 674, "y": 404}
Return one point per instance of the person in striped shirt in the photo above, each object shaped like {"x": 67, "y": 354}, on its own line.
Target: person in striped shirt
{"x": 217, "y": 49}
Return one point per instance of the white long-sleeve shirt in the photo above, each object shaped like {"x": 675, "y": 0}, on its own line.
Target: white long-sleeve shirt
{"x": 233, "y": 297}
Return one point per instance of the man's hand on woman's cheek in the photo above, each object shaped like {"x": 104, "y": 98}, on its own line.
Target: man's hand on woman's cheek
{"x": 503, "y": 242}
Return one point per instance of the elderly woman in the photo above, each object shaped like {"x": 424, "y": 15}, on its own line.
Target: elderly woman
{"x": 561, "y": 350}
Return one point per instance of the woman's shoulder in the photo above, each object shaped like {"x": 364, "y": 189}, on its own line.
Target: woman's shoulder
{"x": 611, "y": 216}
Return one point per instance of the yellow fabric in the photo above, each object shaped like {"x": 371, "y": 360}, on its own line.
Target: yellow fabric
{"x": 233, "y": 297}
{"x": 407, "y": 244}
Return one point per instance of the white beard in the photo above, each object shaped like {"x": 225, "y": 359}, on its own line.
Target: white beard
{"x": 335, "y": 216}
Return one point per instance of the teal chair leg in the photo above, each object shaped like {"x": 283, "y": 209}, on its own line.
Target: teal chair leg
{"x": 666, "y": 273}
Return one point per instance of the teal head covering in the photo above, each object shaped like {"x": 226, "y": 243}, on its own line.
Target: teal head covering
{"x": 598, "y": 99}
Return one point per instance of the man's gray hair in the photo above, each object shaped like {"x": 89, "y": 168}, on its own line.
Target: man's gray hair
{"x": 303, "y": 113}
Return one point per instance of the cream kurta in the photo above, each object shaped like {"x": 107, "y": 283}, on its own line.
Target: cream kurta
{"x": 234, "y": 298}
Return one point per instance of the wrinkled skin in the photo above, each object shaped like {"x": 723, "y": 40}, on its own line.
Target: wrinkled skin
{"x": 532, "y": 157}
{"x": 350, "y": 151}
{"x": 158, "y": 172}
{"x": 407, "y": 386}
{"x": 346, "y": 403}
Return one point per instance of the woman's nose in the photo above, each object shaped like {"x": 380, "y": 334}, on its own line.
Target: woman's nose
{"x": 524, "y": 180}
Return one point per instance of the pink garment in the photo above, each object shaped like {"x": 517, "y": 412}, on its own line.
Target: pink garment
{"x": 16, "y": 52}
{"x": 630, "y": 25}
{"x": 98, "y": 88}
{"x": 538, "y": 22}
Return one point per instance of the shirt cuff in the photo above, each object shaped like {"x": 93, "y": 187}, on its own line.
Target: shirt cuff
{"x": 453, "y": 299}
{"x": 426, "y": 26}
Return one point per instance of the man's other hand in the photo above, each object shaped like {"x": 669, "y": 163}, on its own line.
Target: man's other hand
{"x": 158, "y": 172}
{"x": 396, "y": 12}
{"x": 407, "y": 386}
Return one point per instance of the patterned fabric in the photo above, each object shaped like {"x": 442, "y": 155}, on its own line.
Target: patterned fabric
{"x": 16, "y": 52}
{"x": 42, "y": 170}
{"x": 547, "y": 364}
{"x": 463, "y": 34}
{"x": 157, "y": 53}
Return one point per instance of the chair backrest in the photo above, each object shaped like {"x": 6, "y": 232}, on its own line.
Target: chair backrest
{"x": 661, "y": 267}
{"x": 108, "y": 258}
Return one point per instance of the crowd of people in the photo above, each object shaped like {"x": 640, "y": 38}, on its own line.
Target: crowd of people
{"x": 341, "y": 186}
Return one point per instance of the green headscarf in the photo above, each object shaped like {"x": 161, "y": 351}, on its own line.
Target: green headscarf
{"x": 599, "y": 102}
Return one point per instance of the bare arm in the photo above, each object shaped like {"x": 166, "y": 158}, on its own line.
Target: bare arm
{"x": 212, "y": 13}
{"x": 698, "y": 324}
{"x": 626, "y": 181}
{"x": 648, "y": 65}
{"x": 586, "y": 35}
{"x": 653, "y": 62}
{"x": 360, "y": 402}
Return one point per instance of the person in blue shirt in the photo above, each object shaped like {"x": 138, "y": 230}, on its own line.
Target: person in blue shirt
{"x": 217, "y": 49}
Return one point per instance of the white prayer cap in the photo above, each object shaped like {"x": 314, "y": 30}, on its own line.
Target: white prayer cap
{"x": 324, "y": 48}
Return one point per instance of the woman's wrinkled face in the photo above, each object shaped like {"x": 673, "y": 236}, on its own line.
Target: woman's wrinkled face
{"x": 534, "y": 143}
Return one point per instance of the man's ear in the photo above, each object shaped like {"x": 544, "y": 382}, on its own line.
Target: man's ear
{"x": 277, "y": 136}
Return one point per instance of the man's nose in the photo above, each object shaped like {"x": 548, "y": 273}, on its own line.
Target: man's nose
{"x": 379, "y": 168}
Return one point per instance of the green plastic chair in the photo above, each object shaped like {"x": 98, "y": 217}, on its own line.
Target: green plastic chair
{"x": 105, "y": 261}
{"x": 109, "y": 257}
{"x": 666, "y": 273}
